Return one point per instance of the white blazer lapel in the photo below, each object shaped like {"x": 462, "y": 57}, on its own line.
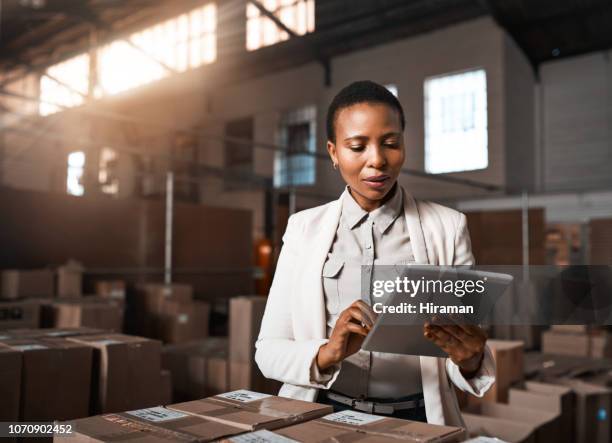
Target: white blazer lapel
{"x": 413, "y": 222}
{"x": 430, "y": 370}
{"x": 311, "y": 299}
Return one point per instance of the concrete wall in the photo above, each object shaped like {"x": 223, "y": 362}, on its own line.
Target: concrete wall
{"x": 577, "y": 122}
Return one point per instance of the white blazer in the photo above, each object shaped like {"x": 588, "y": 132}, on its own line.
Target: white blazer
{"x": 294, "y": 323}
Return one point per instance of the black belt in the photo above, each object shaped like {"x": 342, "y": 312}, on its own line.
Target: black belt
{"x": 374, "y": 407}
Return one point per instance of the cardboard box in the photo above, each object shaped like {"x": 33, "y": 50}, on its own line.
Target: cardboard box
{"x": 199, "y": 369}
{"x": 70, "y": 279}
{"x": 126, "y": 371}
{"x": 246, "y": 313}
{"x": 593, "y": 410}
{"x": 165, "y": 389}
{"x": 548, "y": 397}
{"x": 90, "y": 312}
{"x": 508, "y": 356}
{"x": 545, "y": 426}
{"x": 601, "y": 345}
{"x": 26, "y": 283}
{"x": 565, "y": 343}
{"x": 113, "y": 289}
{"x": 148, "y": 303}
{"x": 153, "y": 295}
{"x": 251, "y": 411}
{"x": 55, "y": 378}
{"x": 349, "y": 426}
{"x": 10, "y": 383}
{"x": 184, "y": 322}
{"x": 19, "y": 314}
{"x": 506, "y": 430}
{"x": 153, "y": 425}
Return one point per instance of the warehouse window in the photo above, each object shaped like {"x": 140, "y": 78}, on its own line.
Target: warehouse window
{"x": 296, "y": 165}
{"x": 456, "y": 122}
{"x": 65, "y": 84}
{"x": 182, "y": 43}
{"x": 76, "y": 168}
{"x": 297, "y": 15}
{"x": 107, "y": 172}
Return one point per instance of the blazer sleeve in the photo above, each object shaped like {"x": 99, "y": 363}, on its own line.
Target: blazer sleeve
{"x": 485, "y": 377}
{"x": 278, "y": 354}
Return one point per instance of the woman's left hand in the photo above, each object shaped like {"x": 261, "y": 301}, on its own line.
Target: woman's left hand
{"x": 463, "y": 343}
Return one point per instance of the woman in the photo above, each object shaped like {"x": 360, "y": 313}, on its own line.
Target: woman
{"x": 315, "y": 321}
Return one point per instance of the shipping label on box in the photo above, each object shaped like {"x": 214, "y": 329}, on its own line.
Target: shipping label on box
{"x": 244, "y": 396}
{"x": 157, "y": 414}
{"x": 261, "y": 436}
{"x": 353, "y": 418}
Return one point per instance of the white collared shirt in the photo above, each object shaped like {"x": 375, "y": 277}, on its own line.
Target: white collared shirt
{"x": 379, "y": 237}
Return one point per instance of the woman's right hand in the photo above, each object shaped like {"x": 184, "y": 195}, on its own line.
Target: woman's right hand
{"x": 351, "y": 328}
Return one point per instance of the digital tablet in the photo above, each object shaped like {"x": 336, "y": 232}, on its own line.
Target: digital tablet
{"x": 402, "y": 333}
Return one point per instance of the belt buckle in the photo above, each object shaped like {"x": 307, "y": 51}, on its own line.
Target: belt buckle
{"x": 382, "y": 408}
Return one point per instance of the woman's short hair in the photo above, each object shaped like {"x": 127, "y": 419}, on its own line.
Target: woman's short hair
{"x": 364, "y": 91}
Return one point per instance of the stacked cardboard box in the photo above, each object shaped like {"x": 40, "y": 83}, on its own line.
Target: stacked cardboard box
{"x": 168, "y": 312}
{"x": 246, "y": 314}
{"x": 93, "y": 312}
{"x": 126, "y": 371}
{"x": 577, "y": 340}
{"x": 246, "y": 416}
{"x": 112, "y": 289}
{"x": 565, "y": 342}
{"x": 26, "y": 283}
{"x": 357, "y": 426}
{"x": 55, "y": 378}
{"x": 251, "y": 411}
{"x": 150, "y": 425}
{"x": 20, "y": 314}
{"x": 199, "y": 369}
{"x": 184, "y": 322}
{"x": 10, "y": 383}
{"x": 70, "y": 280}
{"x": 548, "y": 397}
{"x": 514, "y": 424}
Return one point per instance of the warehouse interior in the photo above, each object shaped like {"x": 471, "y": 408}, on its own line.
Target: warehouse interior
{"x": 153, "y": 151}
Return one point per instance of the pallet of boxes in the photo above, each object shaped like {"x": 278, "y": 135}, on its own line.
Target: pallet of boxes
{"x": 53, "y": 298}
{"x": 553, "y": 408}
{"x": 65, "y": 374}
{"x": 170, "y": 313}
{"x": 215, "y": 365}
{"x": 248, "y": 416}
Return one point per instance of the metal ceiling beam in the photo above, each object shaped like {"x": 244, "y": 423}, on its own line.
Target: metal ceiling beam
{"x": 272, "y": 17}
{"x": 324, "y": 61}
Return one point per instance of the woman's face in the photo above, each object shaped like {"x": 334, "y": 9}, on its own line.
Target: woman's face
{"x": 369, "y": 151}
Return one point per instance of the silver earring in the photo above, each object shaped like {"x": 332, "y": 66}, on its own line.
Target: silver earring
{"x": 335, "y": 165}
